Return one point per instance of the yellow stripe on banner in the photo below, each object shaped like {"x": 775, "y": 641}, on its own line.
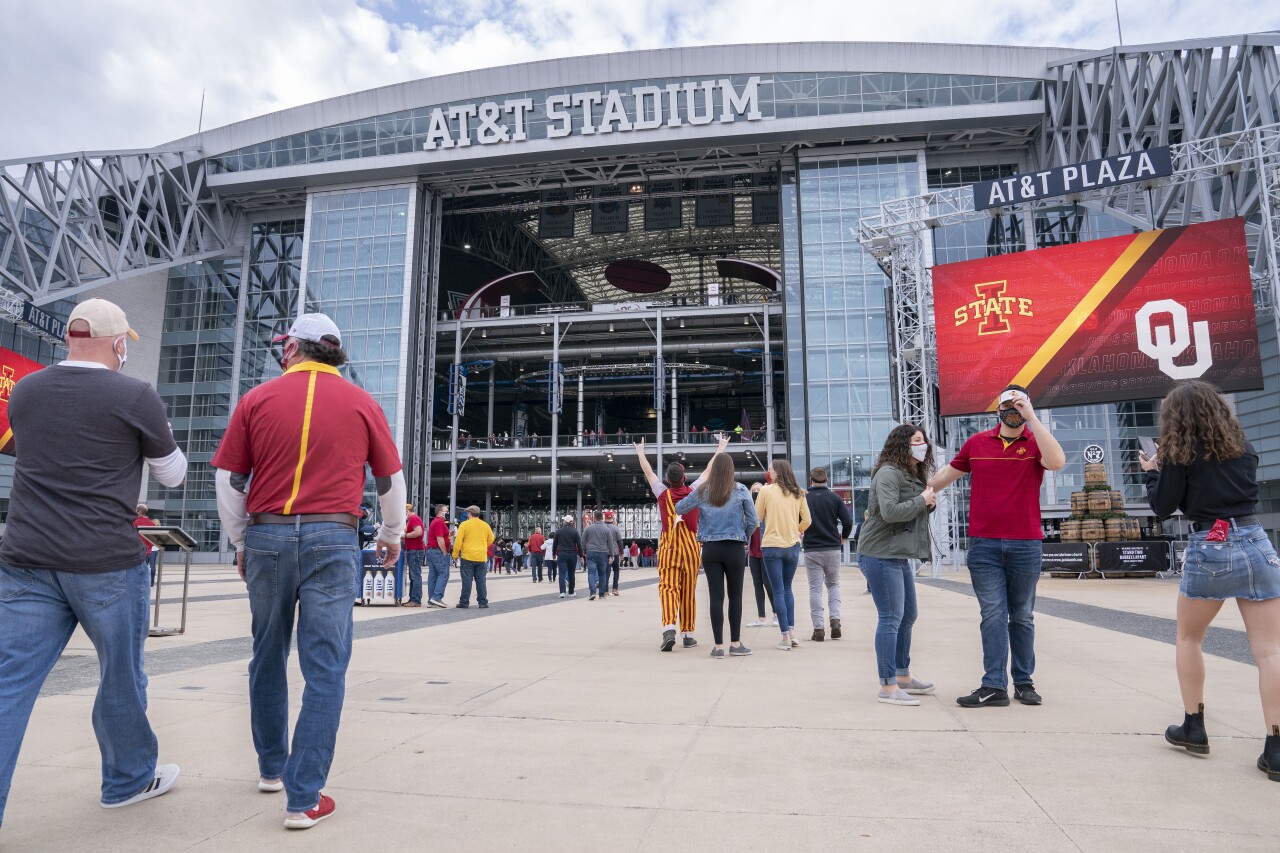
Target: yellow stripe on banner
{"x": 302, "y": 450}
{"x": 8, "y": 434}
{"x": 1107, "y": 283}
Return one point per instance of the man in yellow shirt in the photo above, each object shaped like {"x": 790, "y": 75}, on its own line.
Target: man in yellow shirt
{"x": 471, "y": 549}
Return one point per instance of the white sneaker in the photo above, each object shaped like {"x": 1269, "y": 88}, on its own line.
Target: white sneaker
{"x": 784, "y": 645}
{"x": 270, "y": 786}
{"x": 562, "y": 595}
{"x": 165, "y": 778}
{"x": 758, "y": 623}
{"x": 897, "y": 697}
{"x": 774, "y": 623}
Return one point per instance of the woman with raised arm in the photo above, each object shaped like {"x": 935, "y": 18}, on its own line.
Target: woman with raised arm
{"x": 895, "y": 532}
{"x": 727, "y": 520}
{"x": 784, "y": 513}
{"x": 1205, "y": 467}
{"x": 678, "y": 553}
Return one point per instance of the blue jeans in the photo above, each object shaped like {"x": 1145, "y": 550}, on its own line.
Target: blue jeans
{"x": 1004, "y": 574}
{"x": 780, "y": 565}
{"x": 535, "y": 567}
{"x": 567, "y": 565}
{"x": 893, "y": 589}
{"x": 152, "y": 557}
{"x": 309, "y": 570}
{"x": 474, "y": 570}
{"x": 437, "y": 573}
{"x": 39, "y": 610}
{"x": 413, "y": 561}
{"x": 598, "y": 572}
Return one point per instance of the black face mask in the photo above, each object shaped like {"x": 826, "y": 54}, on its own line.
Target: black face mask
{"x": 1011, "y": 418}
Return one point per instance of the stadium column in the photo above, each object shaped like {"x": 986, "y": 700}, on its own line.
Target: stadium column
{"x": 766, "y": 363}
{"x": 552, "y": 376}
{"x": 453, "y": 438}
{"x": 582, "y": 402}
{"x": 492, "y": 376}
{"x": 657, "y": 365}
{"x": 675, "y": 410}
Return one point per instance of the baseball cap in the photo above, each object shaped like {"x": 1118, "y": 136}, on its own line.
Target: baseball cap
{"x": 105, "y": 319}
{"x": 473, "y": 509}
{"x": 568, "y": 519}
{"x": 1010, "y": 395}
{"x": 313, "y": 327}
{"x": 608, "y": 514}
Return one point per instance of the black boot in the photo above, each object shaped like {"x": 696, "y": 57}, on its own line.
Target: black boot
{"x": 1269, "y": 761}
{"x": 1191, "y": 735}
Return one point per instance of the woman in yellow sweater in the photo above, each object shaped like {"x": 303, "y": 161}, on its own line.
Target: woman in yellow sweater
{"x": 784, "y": 515}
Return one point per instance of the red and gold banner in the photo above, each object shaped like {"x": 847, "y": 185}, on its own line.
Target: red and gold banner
{"x": 1103, "y": 321}
{"x": 12, "y": 368}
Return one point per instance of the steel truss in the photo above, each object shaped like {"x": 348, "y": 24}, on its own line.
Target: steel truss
{"x": 73, "y": 222}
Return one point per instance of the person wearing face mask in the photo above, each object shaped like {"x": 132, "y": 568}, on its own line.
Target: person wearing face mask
{"x": 896, "y": 531}
{"x": 291, "y": 474}
{"x": 1007, "y": 466}
{"x": 81, "y": 432}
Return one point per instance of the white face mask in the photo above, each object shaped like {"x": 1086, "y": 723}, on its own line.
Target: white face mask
{"x": 123, "y": 355}
{"x": 919, "y": 451}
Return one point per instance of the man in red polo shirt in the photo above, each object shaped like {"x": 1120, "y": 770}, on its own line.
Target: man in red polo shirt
{"x": 415, "y": 554}
{"x": 1007, "y": 465}
{"x": 439, "y": 549}
{"x": 306, "y": 438}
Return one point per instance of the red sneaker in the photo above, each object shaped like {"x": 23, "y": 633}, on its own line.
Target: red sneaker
{"x": 306, "y": 820}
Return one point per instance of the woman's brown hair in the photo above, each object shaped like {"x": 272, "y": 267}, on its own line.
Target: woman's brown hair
{"x": 718, "y": 487}
{"x": 785, "y": 478}
{"x": 897, "y": 452}
{"x": 1194, "y": 415}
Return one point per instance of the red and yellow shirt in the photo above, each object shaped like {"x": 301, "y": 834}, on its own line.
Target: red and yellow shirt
{"x": 306, "y": 438}
{"x": 1004, "y": 491}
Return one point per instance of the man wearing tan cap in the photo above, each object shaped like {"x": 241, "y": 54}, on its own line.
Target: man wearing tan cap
{"x": 291, "y": 475}
{"x": 471, "y": 550}
{"x": 70, "y": 556}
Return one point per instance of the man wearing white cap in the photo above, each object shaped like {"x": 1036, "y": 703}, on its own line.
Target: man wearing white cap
{"x": 1007, "y": 466}
{"x": 306, "y": 438}
{"x": 70, "y": 556}
{"x": 567, "y": 547}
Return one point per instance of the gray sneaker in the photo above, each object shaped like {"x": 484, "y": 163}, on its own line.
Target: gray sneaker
{"x": 739, "y": 651}
{"x": 917, "y": 687}
{"x": 689, "y": 642}
{"x": 897, "y": 697}
{"x": 718, "y": 654}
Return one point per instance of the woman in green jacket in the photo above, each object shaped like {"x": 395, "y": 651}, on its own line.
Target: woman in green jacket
{"x": 897, "y": 530}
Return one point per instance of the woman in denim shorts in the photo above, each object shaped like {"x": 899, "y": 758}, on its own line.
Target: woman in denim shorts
{"x": 1205, "y": 467}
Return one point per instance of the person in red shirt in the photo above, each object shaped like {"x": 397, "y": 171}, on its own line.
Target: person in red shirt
{"x": 1006, "y": 465}
{"x": 414, "y": 545}
{"x": 647, "y": 555}
{"x": 144, "y": 520}
{"x": 439, "y": 548}
{"x": 291, "y": 475}
{"x": 536, "y": 543}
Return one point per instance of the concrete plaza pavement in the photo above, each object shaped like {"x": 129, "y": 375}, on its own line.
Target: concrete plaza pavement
{"x": 542, "y": 724}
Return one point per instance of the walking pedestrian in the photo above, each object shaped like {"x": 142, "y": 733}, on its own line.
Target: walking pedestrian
{"x": 759, "y": 581}
{"x": 615, "y": 560}
{"x": 567, "y": 546}
{"x": 633, "y": 556}
{"x": 726, "y": 520}
{"x": 1007, "y": 466}
{"x": 70, "y": 556}
{"x": 784, "y": 514}
{"x": 414, "y": 547}
{"x": 600, "y": 542}
{"x": 517, "y": 556}
{"x": 679, "y": 556}
{"x": 897, "y": 531}
{"x": 153, "y": 551}
{"x": 1205, "y": 467}
{"x": 439, "y": 557}
{"x": 536, "y": 543}
{"x": 831, "y": 522}
{"x": 647, "y": 556}
{"x": 472, "y": 543}
{"x": 291, "y": 473}
{"x": 549, "y": 556}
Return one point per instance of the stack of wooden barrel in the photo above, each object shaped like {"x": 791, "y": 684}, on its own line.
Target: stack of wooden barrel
{"x": 1097, "y": 512}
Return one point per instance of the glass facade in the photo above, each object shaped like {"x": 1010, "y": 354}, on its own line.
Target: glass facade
{"x": 270, "y": 298}
{"x": 839, "y": 366}
{"x": 357, "y": 272}
{"x": 789, "y": 95}
{"x": 196, "y": 378}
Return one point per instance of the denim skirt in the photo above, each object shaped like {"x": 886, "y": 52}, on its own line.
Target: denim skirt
{"x": 1245, "y": 566}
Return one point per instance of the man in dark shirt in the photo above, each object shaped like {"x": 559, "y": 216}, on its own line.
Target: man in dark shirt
{"x": 70, "y": 555}
{"x": 831, "y": 525}
{"x": 568, "y": 547}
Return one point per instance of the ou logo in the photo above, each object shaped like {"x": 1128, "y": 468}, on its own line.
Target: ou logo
{"x": 1164, "y": 342}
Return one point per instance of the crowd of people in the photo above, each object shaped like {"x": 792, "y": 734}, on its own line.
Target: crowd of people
{"x": 289, "y": 482}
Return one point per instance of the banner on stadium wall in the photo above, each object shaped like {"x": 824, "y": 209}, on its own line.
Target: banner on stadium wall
{"x": 12, "y": 368}
{"x": 1103, "y": 321}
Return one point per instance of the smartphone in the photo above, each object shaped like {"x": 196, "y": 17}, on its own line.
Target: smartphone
{"x": 1148, "y": 445}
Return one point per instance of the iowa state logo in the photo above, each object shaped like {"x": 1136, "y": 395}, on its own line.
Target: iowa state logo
{"x": 6, "y": 382}
{"x": 993, "y": 308}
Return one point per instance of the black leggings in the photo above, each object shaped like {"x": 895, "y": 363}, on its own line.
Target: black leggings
{"x": 761, "y": 584}
{"x": 723, "y": 563}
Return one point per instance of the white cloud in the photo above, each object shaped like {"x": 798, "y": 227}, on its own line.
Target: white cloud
{"x": 129, "y": 73}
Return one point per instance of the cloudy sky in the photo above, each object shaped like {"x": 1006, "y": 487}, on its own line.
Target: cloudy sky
{"x": 103, "y": 74}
